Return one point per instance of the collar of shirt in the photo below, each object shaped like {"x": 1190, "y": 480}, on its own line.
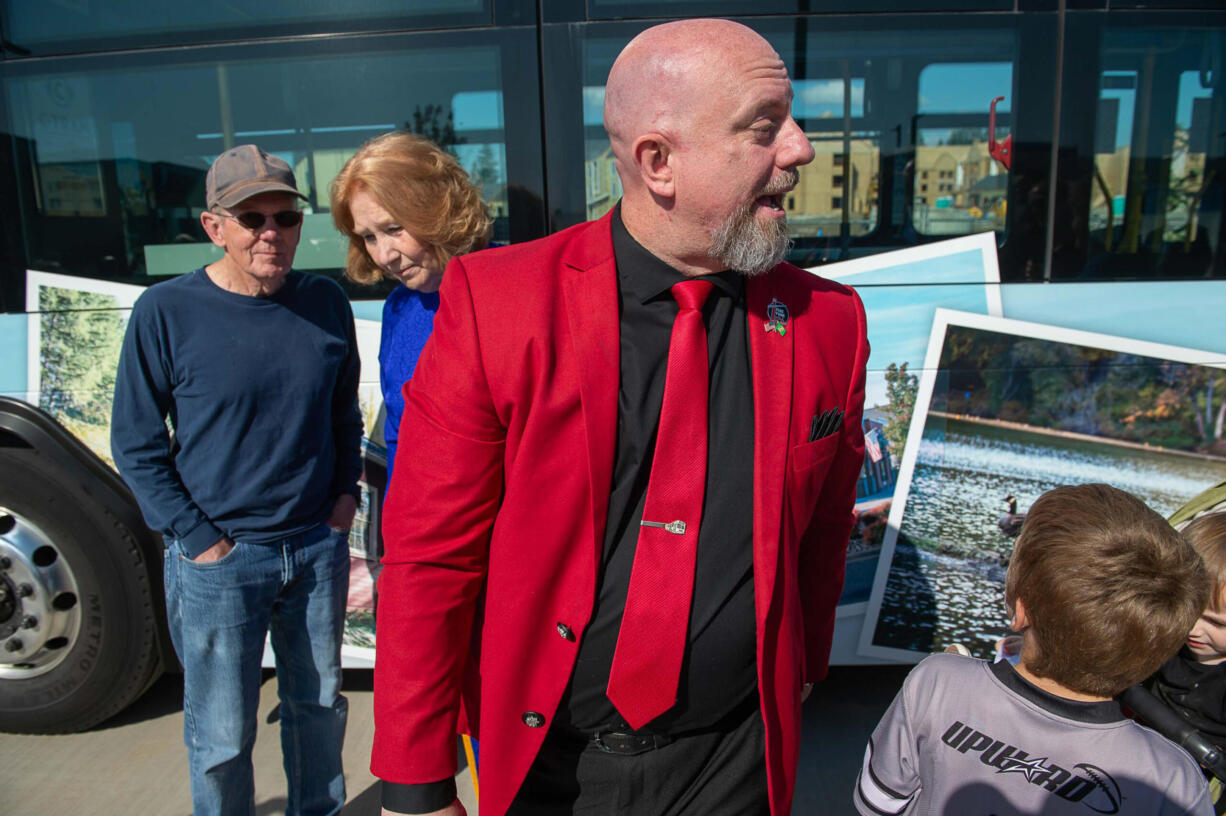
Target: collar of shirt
{"x": 646, "y": 277}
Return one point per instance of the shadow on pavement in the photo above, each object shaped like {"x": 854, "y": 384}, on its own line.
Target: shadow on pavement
{"x": 366, "y": 803}
{"x": 837, "y": 722}
{"x": 164, "y": 697}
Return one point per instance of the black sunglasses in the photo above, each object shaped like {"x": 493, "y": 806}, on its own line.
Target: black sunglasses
{"x": 257, "y": 221}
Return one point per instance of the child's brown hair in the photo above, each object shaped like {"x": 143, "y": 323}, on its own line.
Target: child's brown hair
{"x": 1110, "y": 589}
{"x": 1207, "y": 535}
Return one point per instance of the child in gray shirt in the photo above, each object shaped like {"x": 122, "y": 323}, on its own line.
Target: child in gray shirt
{"x": 1102, "y": 590}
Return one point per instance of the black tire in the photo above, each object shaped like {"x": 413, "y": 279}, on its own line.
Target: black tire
{"x": 102, "y": 659}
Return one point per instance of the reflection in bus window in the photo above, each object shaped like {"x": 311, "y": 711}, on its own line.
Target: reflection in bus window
{"x": 958, "y": 187}
{"x": 839, "y": 187}
{"x": 827, "y": 98}
{"x": 896, "y": 112}
{"x": 118, "y": 157}
{"x": 602, "y": 186}
{"x": 1187, "y": 184}
{"x": 32, "y": 29}
{"x": 1116, "y": 108}
{"x": 1156, "y": 203}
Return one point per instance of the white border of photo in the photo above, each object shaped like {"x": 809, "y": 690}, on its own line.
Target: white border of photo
{"x": 943, "y": 320}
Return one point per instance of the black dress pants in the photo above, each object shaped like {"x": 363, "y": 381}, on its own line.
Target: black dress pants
{"x": 717, "y": 773}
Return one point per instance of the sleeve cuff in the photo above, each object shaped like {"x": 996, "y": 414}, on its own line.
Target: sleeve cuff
{"x": 348, "y": 489}
{"x": 426, "y": 797}
{"x": 200, "y": 539}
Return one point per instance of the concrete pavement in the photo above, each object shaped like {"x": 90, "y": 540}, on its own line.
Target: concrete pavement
{"x": 135, "y": 764}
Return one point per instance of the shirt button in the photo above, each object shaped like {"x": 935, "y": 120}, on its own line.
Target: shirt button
{"x": 533, "y": 719}
{"x": 564, "y": 632}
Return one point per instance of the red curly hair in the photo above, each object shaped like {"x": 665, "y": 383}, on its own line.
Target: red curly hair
{"x": 423, "y": 187}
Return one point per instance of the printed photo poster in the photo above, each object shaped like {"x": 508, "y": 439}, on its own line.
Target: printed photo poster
{"x": 901, "y": 292}
{"x": 358, "y": 647}
{"x": 1006, "y": 410}
{"x": 74, "y": 336}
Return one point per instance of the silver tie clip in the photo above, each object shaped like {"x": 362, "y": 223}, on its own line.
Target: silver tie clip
{"x": 675, "y": 527}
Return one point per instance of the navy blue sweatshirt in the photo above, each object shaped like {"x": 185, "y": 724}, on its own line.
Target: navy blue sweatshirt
{"x": 262, "y": 395}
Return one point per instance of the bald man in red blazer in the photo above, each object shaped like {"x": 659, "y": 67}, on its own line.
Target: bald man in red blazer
{"x": 496, "y": 515}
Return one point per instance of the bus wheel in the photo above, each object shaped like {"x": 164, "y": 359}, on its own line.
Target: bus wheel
{"x": 77, "y": 619}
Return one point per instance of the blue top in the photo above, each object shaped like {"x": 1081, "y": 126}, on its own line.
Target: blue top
{"x": 262, "y": 395}
{"x": 408, "y": 318}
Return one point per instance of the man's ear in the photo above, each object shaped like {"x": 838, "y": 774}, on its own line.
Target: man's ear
{"x": 212, "y": 223}
{"x": 653, "y": 158}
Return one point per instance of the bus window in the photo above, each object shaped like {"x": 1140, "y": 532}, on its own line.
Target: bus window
{"x": 839, "y": 187}
{"x": 896, "y": 112}
{"x": 958, "y": 187}
{"x": 613, "y": 9}
{"x": 1155, "y": 203}
{"x": 82, "y": 27}
{"x": 602, "y": 186}
{"x": 114, "y": 160}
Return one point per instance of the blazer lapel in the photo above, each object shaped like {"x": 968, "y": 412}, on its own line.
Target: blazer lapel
{"x": 771, "y": 353}
{"x": 589, "y": 288}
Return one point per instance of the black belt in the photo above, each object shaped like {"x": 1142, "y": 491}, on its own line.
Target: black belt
{"x": 618, "y": 742}
{"x": 629, "y": 744}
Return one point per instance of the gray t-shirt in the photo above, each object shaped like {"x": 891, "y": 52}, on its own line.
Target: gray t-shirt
{"x": 976, "y": 739}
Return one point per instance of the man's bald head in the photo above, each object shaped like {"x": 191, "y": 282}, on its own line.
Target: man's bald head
{"x": 699, "y": 117}
{"x": 660, "y": 76}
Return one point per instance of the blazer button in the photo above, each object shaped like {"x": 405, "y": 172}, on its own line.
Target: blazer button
{"x": 564, "y": 632}
{"x": 533, "y": 720}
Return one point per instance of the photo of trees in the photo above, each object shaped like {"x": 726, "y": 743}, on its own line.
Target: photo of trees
{"x": 1078, "y": 389}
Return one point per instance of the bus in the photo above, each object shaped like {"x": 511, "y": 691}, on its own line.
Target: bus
{"x": 1028, "y": 195}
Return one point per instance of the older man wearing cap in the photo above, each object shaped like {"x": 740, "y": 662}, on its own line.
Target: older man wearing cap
{"x": 256, "y": 366}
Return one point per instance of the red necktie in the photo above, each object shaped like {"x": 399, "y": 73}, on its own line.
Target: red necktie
{"x": 651, "y": 641}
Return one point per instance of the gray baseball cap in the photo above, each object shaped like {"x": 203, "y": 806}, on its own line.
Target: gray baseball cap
{"x": 245, "y": 171}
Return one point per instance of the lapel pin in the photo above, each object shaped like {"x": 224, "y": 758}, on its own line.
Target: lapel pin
{"x": 776, "y": 317}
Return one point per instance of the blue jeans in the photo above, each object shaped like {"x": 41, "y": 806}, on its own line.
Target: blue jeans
{"x": 219, "y": 614}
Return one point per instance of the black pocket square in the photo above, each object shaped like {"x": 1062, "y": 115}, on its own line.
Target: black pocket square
{"x": 826, "y": 423}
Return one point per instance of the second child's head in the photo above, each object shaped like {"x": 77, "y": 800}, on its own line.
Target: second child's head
{"x": 1109, "y": 589}
{"x": 1207, "y": 535}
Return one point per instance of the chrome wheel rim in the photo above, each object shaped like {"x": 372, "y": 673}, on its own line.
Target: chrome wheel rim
{"x": 40, "y": 605}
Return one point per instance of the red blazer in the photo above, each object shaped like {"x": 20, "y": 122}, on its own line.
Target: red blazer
{"x": 497, "y": 510}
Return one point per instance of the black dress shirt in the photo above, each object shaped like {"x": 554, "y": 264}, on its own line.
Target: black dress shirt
{"x": 719, "y": 670}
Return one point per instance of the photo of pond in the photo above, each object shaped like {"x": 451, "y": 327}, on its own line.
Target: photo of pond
{"x": 946, "y": 582}
{"x": 1006, "y": 411}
